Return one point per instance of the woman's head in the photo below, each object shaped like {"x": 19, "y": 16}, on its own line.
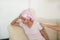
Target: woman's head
{"x": 26, "y": 16}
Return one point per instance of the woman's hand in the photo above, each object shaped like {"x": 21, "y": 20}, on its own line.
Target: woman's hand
{"x": 14, "y": 22}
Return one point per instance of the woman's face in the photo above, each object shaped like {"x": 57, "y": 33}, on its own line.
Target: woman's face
{"x": 24, "y": 20}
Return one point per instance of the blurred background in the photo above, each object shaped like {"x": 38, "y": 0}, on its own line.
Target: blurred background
{"x": 10, "y": 9}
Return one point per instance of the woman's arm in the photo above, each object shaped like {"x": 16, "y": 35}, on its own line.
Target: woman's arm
{"x": 14, "y": 23}
{"x": 54, "y": 27}
{"x": 44, "y": 34}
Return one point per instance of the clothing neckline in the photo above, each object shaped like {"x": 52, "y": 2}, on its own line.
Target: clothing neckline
{"x": 27, "y": 25}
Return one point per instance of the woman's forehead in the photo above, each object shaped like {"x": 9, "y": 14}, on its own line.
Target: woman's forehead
{"x": 23, "y": 18}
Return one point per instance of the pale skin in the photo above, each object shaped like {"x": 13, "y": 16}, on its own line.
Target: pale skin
{"x": 29, "y": 24}
{"x": 54, "y": 27}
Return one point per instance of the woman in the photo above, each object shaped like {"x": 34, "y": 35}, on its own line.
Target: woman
{"x": 33, "y": 29}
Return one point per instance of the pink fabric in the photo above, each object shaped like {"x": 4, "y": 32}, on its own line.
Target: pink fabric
{"x": 27, "y": 14}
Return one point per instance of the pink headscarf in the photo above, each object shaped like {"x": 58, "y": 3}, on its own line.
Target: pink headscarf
{"x": 27, "y": 14}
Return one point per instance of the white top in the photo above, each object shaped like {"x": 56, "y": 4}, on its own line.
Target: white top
{"x": 33, "y": 33}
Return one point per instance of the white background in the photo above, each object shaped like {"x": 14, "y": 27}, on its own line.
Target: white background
{"x": 48, "y": 9}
